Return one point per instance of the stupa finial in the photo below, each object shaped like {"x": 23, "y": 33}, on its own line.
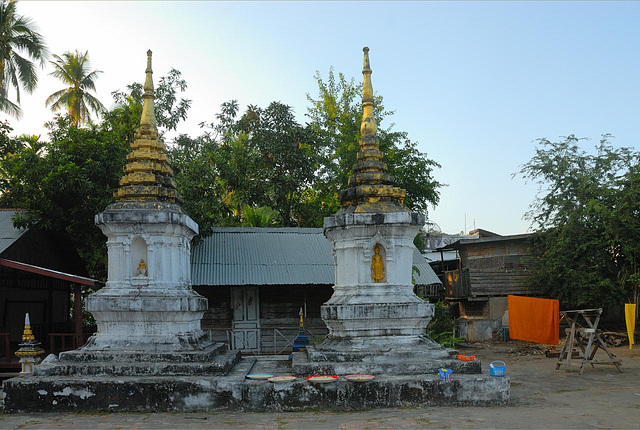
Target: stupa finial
{"x": 148, "y": 118}
{"x": 368, "y": 126}
{"x": 147, "y": 175}
{"x": 371, "y": 188}
{"x": 27, "y": 334}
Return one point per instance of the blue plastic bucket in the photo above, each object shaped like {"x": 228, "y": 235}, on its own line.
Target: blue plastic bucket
{"x": 496, "y": 369}
{"x": 445, "y": 374}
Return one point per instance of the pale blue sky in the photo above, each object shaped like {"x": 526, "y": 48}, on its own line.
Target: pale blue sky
{"x": 473, "y": 82}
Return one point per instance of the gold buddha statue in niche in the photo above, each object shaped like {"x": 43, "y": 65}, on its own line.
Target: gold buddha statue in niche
{"x": 142, "y": 268}
{"x": 377, "y": 265}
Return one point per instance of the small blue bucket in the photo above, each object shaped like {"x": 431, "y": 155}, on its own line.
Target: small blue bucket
{"x": 496, "y": 369}
{"x": 445, "y": 374}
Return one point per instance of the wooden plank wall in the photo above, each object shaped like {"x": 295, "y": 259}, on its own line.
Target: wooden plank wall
{"x": 279, "y": 308}
{"x": 498, "y": 268}
{"x": 218, "y": 316}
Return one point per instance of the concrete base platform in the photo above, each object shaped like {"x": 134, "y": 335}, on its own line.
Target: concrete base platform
{"x": 233, "y": 392}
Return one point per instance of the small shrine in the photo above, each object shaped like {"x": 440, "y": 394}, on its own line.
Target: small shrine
{"x": 30, "y": 350}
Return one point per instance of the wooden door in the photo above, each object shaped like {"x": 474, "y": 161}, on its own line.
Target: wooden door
{"x": 246, "y": 319}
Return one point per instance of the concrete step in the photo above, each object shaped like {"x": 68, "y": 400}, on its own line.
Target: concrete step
{"x": 221, "y": 365}
{"x": 199, "y": 356}
{"x": 315, "y": 355}
{"x": 304, "y": 367}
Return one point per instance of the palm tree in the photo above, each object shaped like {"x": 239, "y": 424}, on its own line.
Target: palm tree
{"x": 262, "y": 216}
{"x": 73, "y": 69}
{"x": 20, "y": 45}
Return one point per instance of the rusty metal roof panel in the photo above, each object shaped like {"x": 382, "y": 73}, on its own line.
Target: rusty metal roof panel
{"x": 273, "y": 256}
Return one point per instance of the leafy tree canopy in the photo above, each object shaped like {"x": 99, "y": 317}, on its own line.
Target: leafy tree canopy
{"x": 588, "y": 216}
{"x": 262, "y": 160}
{"x": 64, "y": 183}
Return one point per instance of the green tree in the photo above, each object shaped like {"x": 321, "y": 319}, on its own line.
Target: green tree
{"x": 257, "y": 168}
{"x": 20, "y": 46}
{"x": 335, "y": 117}
{"x": 206, "y": 196}
{"x": 285, "y": 162}
{"x": 73, "y": 69}
{"x": 63, "y": 183}
{"x": 588, "y": 223}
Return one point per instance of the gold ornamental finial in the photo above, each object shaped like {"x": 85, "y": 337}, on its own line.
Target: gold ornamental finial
{"x": 370, "y": 188}
{"x": 148, "y": 118}
{"x": 368, "y": 126}
{"x": 147, "y": 175}
{"x": 27, "y": 334}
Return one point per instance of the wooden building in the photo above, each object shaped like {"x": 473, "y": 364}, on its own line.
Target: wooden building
{"x": 490, "y": 267}
{"x": 258, "y": 279}
{"x": 39, "y": 271}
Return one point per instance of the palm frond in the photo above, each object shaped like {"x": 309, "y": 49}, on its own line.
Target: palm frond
{"x": 94, "y": 103}
{"x": 11, "y": 75}
{"x": 8, "y": 107}
{"x": 55, "y": 97}
{"x": 26, "y": 72}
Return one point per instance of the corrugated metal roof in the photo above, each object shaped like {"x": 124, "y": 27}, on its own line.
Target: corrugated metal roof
{"x": 425, "y": 274}
{"x": 462, "y": 242}
{"x": 273, "y": 256}
{"x": 8, "y": 233}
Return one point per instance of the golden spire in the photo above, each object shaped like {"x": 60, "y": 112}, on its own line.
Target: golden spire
{"x": 368, "y": 126}
{"x": 27, "y": 334}
{"x": 147, "y": 175}
{"x": 148, "y": 118}
{"x": 371, "y": 188}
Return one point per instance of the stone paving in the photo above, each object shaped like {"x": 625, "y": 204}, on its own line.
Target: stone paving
{"x": 541, "y": 398}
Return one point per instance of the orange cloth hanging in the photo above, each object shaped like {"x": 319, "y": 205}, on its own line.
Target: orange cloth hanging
{"x": 630, "y": 317}
{"x": 535, "y": 320}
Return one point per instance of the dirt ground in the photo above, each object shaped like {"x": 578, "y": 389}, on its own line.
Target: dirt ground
{"x": 541, "y": 398}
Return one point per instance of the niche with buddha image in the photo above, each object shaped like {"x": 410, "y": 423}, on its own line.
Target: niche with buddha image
{"x": 139, "y": 258}
{"x": 378, "y": 269}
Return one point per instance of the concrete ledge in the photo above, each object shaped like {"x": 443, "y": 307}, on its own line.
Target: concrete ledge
{"x": 82, "y": 356}
{"x": 147, "y": 213}
{"x": 346, "y": 219}
{"x": 302, "y": 366}
{"x": 222, "y": 365}
{"x": 143, "y": 394}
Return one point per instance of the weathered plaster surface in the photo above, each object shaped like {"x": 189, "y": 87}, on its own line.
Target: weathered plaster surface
{"x": 46, "y": 394}
{"x": 153, "y": 311}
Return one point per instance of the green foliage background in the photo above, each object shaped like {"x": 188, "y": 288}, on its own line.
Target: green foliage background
{"x": 587, "y": 215}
